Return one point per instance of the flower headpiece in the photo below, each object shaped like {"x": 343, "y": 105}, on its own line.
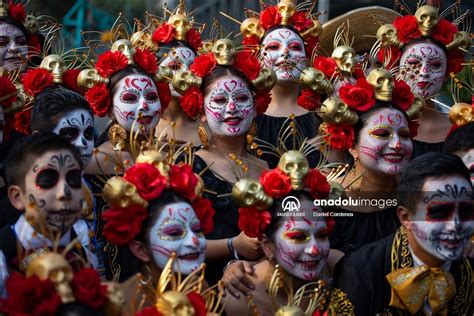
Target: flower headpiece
{"x": 223, "y": 53}
{"x": 428, "y": 23}
{"x": 129, "y": 195}
{"x": 41, "y": 292}
{"x": 460, "y": 113}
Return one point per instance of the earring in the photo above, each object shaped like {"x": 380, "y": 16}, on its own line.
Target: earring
{"x": 253, "y": 129}
{"x": 203, "y": 135}
{"x": 117, "y": 136}
{"x": 149, "y": 276}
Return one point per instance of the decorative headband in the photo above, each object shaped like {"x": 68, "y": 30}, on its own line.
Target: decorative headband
{"x": 129, "y": 195}
{"x": 427, "y": 23}
{"x": 121, "y": 55}
{"x": 223, "y": 53}
{"x": 41, "y": 292}
{"x": 340, "y": 113}
{"x": 255, "y": 197}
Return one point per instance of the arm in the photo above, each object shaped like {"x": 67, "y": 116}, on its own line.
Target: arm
{"x": 245, "y": 247}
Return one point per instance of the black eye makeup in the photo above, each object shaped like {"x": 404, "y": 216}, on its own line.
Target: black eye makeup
{"x": 74, "y": 178}
{"x": 70, "y": 133}
{"x": 440, "y": 211}
{"x": 129, "y": 97}
{"x": 466, "y": 210}
{"x": 47, "y": 179}
{"x": 89, "y": 133}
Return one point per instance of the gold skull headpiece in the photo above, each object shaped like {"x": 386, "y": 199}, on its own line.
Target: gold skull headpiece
{"x": 461, "y": 113}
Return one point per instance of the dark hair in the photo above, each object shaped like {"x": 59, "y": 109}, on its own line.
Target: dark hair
{"x": 78, "y": 309}
{"x": 9, "y": 20}
{"x": 221, "y": 71}
{"x": 277, "y": 207}
{"x": 52, "y": 103}
{"x": 461, "y": 138}
{"x": 164, "y": 49}
{"x": 27, "y": 149}
{"x": 429, "y": 165}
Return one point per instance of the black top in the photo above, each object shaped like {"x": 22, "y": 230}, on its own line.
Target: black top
{"x": 420, "y": 148}
{"x": 352, "y": 232}
{"x": 361, "y": 275}
{"x": 268, "y": 128}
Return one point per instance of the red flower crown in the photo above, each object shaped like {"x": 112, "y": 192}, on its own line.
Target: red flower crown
{"x": 109, "y": 63}
{"x": 166, "y": 32}
{"x": 147, "y": 180}
{"x": 277, "y": 183}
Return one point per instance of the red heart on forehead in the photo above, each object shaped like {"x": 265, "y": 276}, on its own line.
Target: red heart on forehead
{"x": 185, "y": 54}
{"x": 284, "y": 33}
{"x": 395, "y": 119}
{"x": 426, "y": 51}
{"x": 232, "y": 84}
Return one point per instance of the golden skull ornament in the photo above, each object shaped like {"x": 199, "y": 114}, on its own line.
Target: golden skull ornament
{"x": 289, "y": 311}
{"x": 387, "y": 33}
{"x": 461, "y": 114}
{"x": 427, "y": 17}
{"x": 125, "y": 47}
{"x": 181, "y": 25}
{"x": 174, "y": 303}
{"x": 335, "y": 111}
{"x": 265, "y": 81}
{"x": 55, "y": 65}
{"x": 345, "y": 58}
{"x": 155, "y": 158}
{"x": 461, "y": 40}
{"x": 414, "y": 111}
{"x": 295, "y": 165}
{"x": 314, "y": 79}
{"x": 88, "y": 78}
{"x": 250, "y": 193}
{"x": 224, "y": 51}
{"x": 287, "y": 9}
{"x": 383, "y": 84}
{"x": 184, "y": 79}
{"x": 119, "y": 192}
{"x": 251, "y": 27}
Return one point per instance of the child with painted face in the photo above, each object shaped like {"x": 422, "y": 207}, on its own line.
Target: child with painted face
{"x": 428, "y": 49}
{"x": 461, "y": 143}
{"x": 419, "y": 268}
{"x": 45, "y": 182}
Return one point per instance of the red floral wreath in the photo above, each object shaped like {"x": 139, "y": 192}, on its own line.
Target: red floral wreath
{"x": 8, "y": 93}
{"x": 124, "y": 224}
{"x": 165, "y": 33}
{"x": 36, "y": 80}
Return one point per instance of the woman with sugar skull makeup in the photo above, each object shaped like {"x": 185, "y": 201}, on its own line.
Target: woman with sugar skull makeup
{"x": 226, "y": 89}
{"x": 428, "y": 49}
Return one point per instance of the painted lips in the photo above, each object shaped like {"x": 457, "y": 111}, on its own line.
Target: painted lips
{"x": 309, "y": 265}
{"x": 233, "y": 120}
{"x": 145, "y": 120}
{"x": 423, "y": 84}
{"x": 393, "y": 157}
{"x": 190, "y": 256}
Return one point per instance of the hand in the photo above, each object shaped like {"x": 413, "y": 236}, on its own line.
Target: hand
{"x": 247, "y": 247}
{"x": 236, "y": 278}
{"x": 469, "y": 250}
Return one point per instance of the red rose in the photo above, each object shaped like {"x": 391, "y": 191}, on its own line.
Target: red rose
{"x": 192, "y": 102}
{"x": 205, "y": 213}
{"x": 389, "y": 56}
{"x": 248, "y": 64}
{"x": 23, "y": 121}
{"x": 99, "y": 99}
{"x": 146, "y": 60}
{"x": 330, "y": 223}
{"x": 358, "y": 72}
{"x": 262, "y": 100}
{"x": 147, "y": 179}
{"x": 413, "y": 127}
{"x": 198, "y": 304}
{"x": 320, "y": 313}
{"x": 7, "y": 92}
{"x": 149, "y": 311}
{"x": 123, "y": 225}
{"x": 300, "y": 21}
{"x": 402, "y": 95}
{"x": 444, "y": 31}
{"x": 36, "y": 80}
{"x": 270, "y": 17}
{"x": 88, "y": 289}
{"x": 407, "y": 28}
{"x": 340, "y": 136}
{"x": 275, "y": 183}
{"x": 34, "y": 45}
{"x": 70, "y": 79}
{"x": 251, "y": 41}
{"x": 253, "y": 222}
{"x": 164, "y": 93}
{"x": 183, "y": 180}
{"x": 310, "y": 45}
{"x": 193, "y": 38}
{"x": 358, "y": 97}
{"x": 309, "y": 100}
{"x": 317, "y": 184}
{"x": 455, "y": 61}
{"x": 17, "y": 11}
{"x": 164, "y": 33}
{"x": 326, "y": 64}
{"x": 203, "y": 64}
{"x": 109, "y": 63}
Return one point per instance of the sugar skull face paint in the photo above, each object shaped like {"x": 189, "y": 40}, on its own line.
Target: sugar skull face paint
{"x": 178, "y": 230}
{"x": 302, "y": 243}
{"x": 228, "y": 106}
{"x": 284, "y": 52}
{"x": 53, "y": 190}
{"x": 179, "y": 58}
{"x": 136, "y": 99}
{"x": 423, "y": 67}
{"x": 444, "y": 219}
{"x": 78, "y": 127}
{"x": 13, "y": 46}
{"x": 385, "y": 144}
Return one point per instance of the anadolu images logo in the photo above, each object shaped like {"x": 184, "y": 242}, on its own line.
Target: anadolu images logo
{"x": 290, "y": 204}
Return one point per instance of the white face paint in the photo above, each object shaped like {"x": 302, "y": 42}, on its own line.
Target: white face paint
{"x": 2, "y": 123}
{"x": 179, "y": 58}
{"x": 423, "y": 68}
{"x": 302, "y": 243}
{"x": 53, "y": 190}
{"x": 468, "y": 159}
{"x": 78, "y": 127}
{"x": 229, "y": 107}
{"x": 13, "y": 46}
{"x": 384, "y": 144}
{"x": 444, "y": 220}
{"x": 178, "y": 230}
{"x": 135, "y": 99}
{"x": 284, "y": 52}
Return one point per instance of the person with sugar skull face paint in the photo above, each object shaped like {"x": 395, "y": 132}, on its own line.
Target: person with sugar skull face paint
{"x": 419, "y": 269}
{"x": 428, "y": 49}
{"x": 226, "y": 89}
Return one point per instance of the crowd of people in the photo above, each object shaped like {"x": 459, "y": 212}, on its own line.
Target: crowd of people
{"x": 257, "y": 174}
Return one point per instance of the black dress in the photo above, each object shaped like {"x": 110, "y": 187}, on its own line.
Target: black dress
{"x": 361, "y": 275}
{"x": 352, "y": 232}
{"x": 420, "y": 148}
{"x": 268, "y": 128}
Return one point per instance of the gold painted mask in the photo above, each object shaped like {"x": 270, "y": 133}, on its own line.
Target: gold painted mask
{"x": 286, "y": 8}
{"x": 249, "y": 193}
{"x": 314, "y": 79}
{"x": 427, "y": 17}
{"x": 335, "y": 111}
{"x": 382, "y": 82}
{"x": 294, "y": 164}
{"x": 126, "y": 47}
{"x": 181, "y": 25}
{"x": 345, "y": 58}
{"x": 55, "y": 65}
{"x": 224, "y": 51}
